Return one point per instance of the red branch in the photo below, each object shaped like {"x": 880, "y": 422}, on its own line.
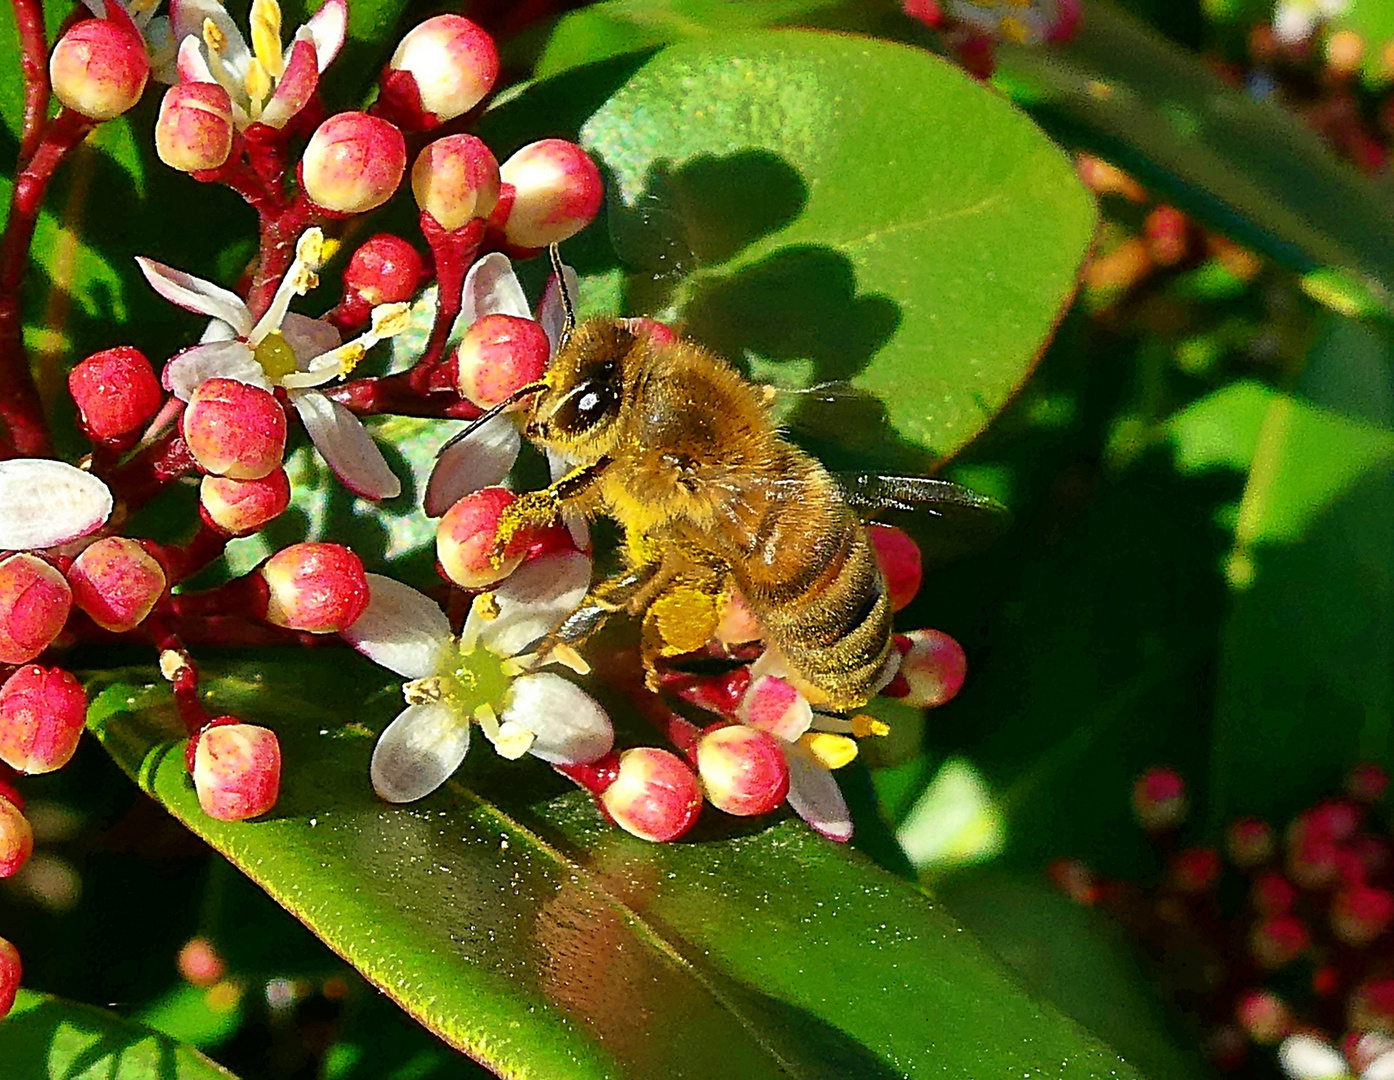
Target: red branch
{"x": 454, "y": 251}
{"x": 33, "y": 63}
{"x": 178, "y": 667}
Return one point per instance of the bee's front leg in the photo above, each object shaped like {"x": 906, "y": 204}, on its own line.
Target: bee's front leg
{"x": 538, "y": 509}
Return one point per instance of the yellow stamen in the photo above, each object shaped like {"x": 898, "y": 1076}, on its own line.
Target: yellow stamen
{"x": 257, "y": 83}
{"x": 829, "y": 750}
{"x": 1014, "y": 30}
{"x": 213, "y": 37}
{"x": 487, "y": 605}
{"x": 275, "y": 356}
{"x": 488, "y": 720}
{"x": 265, "y": 23}
{"x": 350, "y": 356}
{"x": 570, "y": 658}
{"x": 390, "y": 319}
{"x": 312, "y": 249}
{"x": 863, "y": 725}
{"x": 425, "y": 691}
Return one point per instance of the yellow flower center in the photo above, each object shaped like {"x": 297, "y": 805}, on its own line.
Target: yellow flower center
{"x": 275, "y": 356}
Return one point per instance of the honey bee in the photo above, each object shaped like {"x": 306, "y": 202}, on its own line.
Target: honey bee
{"x": 682, "y": 452}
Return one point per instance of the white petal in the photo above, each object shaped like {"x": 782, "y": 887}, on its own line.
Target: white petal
{"x": 187, "y": 17}
{"x": 217, "y": 330}
{"x": 309, "y": 337}
{"x": 401, "y": 629}
{"x": 550, "y": 312}
{"x": 216, "y": 360}
{"x": 195, "y": 294}
{"x": 1293, "y": 23}
{"x": 491, "y": 288}
{"x": 534, "y": 599}
{"x": 815, "y": 796}
{"x": 328, "y": 26}
{"x": 189, "y": 64}
{"x": 418, "y": 752}
{"x": 1382, "y": 1068}
{"x": 480, "y": 461}
{"x": 1305, "y": 1058}
{"x": 346, "y": 445}
{"x": 43, "y": 503}
{"x": 571, "y": 728}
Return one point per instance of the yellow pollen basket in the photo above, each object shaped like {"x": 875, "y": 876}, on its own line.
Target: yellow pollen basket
{"x": 685, "y": 619}
{"x": 276, "y": 357}
{"x": 829, "y": 750}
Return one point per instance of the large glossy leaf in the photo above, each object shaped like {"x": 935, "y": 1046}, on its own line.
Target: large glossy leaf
{"x": 825, "y": 207}
{"x": 47, "y": 1038}
{"x": 505, "y": 915}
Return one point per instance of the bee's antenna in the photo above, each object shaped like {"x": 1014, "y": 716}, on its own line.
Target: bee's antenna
{"x": 567, "y": 306}
{"x": 479, "y": 421}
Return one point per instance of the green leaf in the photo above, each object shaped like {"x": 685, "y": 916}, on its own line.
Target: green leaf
{"x": 47, "y": 1037}
{"x": 826, "y": 207}
{"x": 505, "y": 915}
{"x": 1251, "y": 168}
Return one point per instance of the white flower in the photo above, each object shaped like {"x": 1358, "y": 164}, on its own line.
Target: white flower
{"x": 1027, "y": 22}
{"x": 1294, "y": 21}
{"x": 44, "y": 503}
{"x": 479, "y": 678}
{"x": 266, "y": 84}
{"x": 487, "y": 456}
{"x": 286, "y": 350}
{"x": 1305, "y": 1057}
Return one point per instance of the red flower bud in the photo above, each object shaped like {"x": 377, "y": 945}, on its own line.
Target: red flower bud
{"x": 557, "y": 190}
{"x": 500, "y": 354}
{"x": 384, "y": 270}
{"x": 320, "y": 588}
{"x": 1159, "y": 799}
{"x": 1278, "y": 940}
{"x": 654, "y": 795}
{"x": 239, "y": 507}
{"x": 465, "y": 539}
{"x": 117, "y": 582}
{"x": 932, "y": 668}
{"x": 116, "y": 392}
{"x": 234, "y": 429}
{"x": 16, "y": 845}
{"x": 455, "y": 179}
{"x": 237, "y": 770}
{"x": 34, "y": 603}
{"x": 42, "y": 711}
{"x": 453, "y": 62}
{"x": 98, "y": 68}
{"x": 10, "y": 973}
{"x": 195, "y": 127}
{"x": 1249, "y": 842}
{"x": 353, "y": 163}
{"x": 899, "y": 559}
{"x": 743, "y": 771}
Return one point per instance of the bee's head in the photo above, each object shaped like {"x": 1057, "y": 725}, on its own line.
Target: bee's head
{"x": 585, "y": 390}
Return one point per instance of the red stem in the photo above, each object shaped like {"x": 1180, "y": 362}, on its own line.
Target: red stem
{"x": 33, "y": 63}
{"x": 279, "y": 233}
{"x": 178, "y": 667}
{"x": 454, "y": 251}
{"x": 20, "y": 408}
{"x": 145, "y": 475}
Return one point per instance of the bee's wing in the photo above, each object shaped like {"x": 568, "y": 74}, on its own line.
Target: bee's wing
{"x": 873, "y": 491}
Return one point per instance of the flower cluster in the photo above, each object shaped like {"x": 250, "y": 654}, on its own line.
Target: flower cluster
{"x": 1301, "y": 964}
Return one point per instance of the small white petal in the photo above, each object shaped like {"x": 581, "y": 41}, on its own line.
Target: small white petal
{"x": 187, "y": 17}
{"x": 403, "y": 630}
{"x": 346, "y": 445}
{"x": 550, "y": 312}
{"x": 1293, "y": 23}
{"x": 328, "y": 26}
{"x": 195, "y": 294}
{"x": 1305, "y": 1058}
{"x": 815, "y": 796}
{"x": 1382, "y": 1068}
{"x": 570, "y": 727}
{"x": 216, "y": 360}
{"x": 309, "y": 337}
{"x": 480, "y": 461}
{"x": 491, "y": 288}
{"x": 44, "y": 502}
{"x": 418, "y": 752}
{"x": 189, "y": 64}
{"x": 217, "y": 330}
{"x": 534, "y": 599}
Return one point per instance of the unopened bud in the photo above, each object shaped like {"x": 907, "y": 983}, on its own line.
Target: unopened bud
{"x": 1159, "y": 799}
{"x": 1272, "y": 893}
{"x": 116, "y": 392}
{"x": 200, "y": 963}
{"x": 1195, "y": 870}
{"x": 654, "y": 796}
{"x": 235, "y": 429}
{"x": 743, "y": 771}
{"x": 1249, "y": 842}
{"x": 16, "y": 843}
{"x": 320, "y": 588}
{"x": 1367, "y": 783}
{"x": 556, "y": 191}
{"x": 498, "y": 355}
{"x": 117, "y": 582}
{"x": 34, "y": 603}
{"x": 659, "y": 333}
{"x": 353, "y": 163}
{"x": 453, "y": 62}
{"x": 466, "y": 535}
{"x": 1361, "y": 913}
{"x": 10, "y": 974}
{"x": 932, "y": 668}
{"x": 384, "y": 270}
{"x": 1264, "y": 1016}
{"x": 1372, "y": 1005}
{"x": 98, "y": 69}
{"x": 240, "y": 507}
{"x": 195, "y": 127}
{"x": 237, "y": 770}
{"x": 42, "y": 711}
{"x": 1076, "y": 880}
{"x": 1278, "y": 940}
{"x": 899, "y": 559}
{"x": 456, "y": 179}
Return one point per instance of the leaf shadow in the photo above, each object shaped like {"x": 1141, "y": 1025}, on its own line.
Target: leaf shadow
{"x": 30, "y": 1040}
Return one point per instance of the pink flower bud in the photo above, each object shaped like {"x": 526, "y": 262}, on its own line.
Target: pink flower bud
{"x": 465, "y": 539}
{"x": 657, "y": 332}
{"x": 195, "y": 127}
{"x": 1159, "y": 799}
{"x": 1278, "y": 940}
{"x": 1372, "y": 1005}
{"x": 1271, "y": 894}
{"x": 1249, "y": 842}
{"x": 899, "y": 559}
{"x": 1264, "y": 1016}
{"x": 240, "y": 507}
{"x": 1367, "y": 783}
{"x": 743, "y": 771}
{"x": 200, "y": 963}
{"x": 10, "y": 973}
{"x": 932, "y": 668}
{"x": 1361, "y": 913}
{"x": 773, "y": 704}
{"x": 453, "y": 62}
{"x": 34, "y": 604}
{"x": 1195, "y": 870}
{"x": 117, "y": 582}
{"x": 16, "y": 845}
{"x": 98, "y": 68}
{"x": 116, "y": 391}
{"x": 320, "y": 588}
{"x": 557, "y": 190}
{"x": 42, "y": 711}
{"x": 456, "y": 179}
{"x": 384, "y": 270}
{"x": 234, "y": 429}
{"x": 237, "y": 770}
{"x": 353, "y": 163}
{"x": 498, "y": 355}
{"x": 654, "y": 796}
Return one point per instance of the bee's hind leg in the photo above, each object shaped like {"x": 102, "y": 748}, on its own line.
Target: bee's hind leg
{"x": 682, "y": 619}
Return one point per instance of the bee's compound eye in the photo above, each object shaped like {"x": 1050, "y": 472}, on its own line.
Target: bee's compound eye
{"x": 585, "y": 406}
